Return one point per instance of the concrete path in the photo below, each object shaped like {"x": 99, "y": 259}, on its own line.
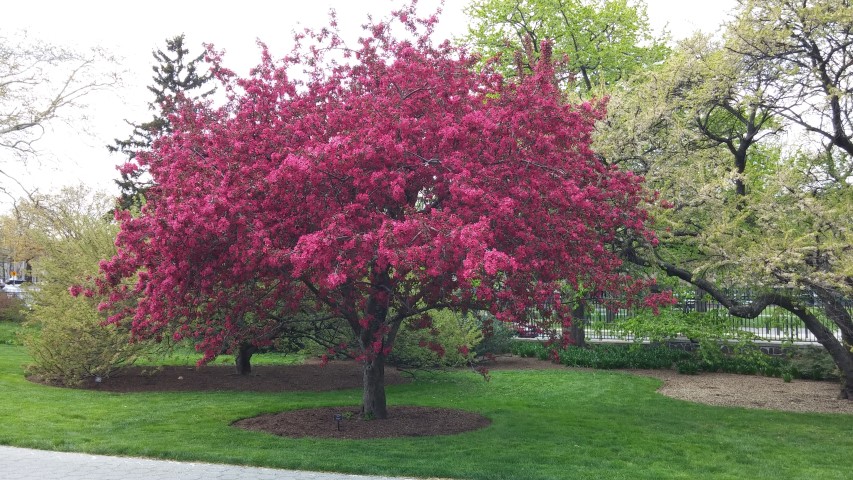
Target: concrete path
{"x": 25, "y": 464}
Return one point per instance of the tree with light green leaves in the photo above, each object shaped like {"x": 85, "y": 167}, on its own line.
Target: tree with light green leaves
{"x": 603, "y": 41}
{"x": 750, "y": 145}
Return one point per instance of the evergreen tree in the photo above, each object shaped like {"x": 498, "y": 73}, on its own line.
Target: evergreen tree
{"x": 175, "y": 74}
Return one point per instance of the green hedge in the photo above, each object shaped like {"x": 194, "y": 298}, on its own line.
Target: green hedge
{"x": 813, "y": 364}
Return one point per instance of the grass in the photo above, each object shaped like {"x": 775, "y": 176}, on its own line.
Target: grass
{"x": 547, "y": 424}
{"x": 185, "y": 356}
{"x": 9, "y": 333}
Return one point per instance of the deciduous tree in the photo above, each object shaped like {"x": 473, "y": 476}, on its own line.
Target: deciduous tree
{"x": 748, "y": 209}
{"x": 39, "y": 84}
{"x": 376, "y": 184}
{"x": 603, "y": 41}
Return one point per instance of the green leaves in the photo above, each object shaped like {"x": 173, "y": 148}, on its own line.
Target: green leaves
{"x": 600, "y": 42}
{"x": 68, "y": 342}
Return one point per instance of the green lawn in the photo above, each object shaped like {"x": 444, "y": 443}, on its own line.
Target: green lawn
{"x": 189, "y": 357}
{"x": 9, "y": 333}
{"x": 546, "y": 424}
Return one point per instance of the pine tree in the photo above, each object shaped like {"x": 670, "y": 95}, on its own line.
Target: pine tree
{"x": 175, "y": 73}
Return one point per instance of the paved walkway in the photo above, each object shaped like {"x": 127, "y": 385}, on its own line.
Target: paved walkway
{"x": 25, "y": 464}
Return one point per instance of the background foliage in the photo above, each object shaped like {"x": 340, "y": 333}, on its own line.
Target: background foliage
{"x": 67, "y": 339}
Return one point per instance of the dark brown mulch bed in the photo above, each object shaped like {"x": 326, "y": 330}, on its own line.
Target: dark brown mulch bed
{"x": 401, "y": 422}
{"x": 312, "y": 377}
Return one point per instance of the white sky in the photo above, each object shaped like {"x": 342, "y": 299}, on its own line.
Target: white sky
{"x": 132, "y": 30}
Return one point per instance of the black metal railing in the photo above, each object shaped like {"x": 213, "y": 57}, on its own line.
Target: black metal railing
{"x": 774, "y": 324}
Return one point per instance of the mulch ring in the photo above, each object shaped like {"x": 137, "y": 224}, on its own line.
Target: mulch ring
{"x": 310, "y": 377}
{"x": 401, "y": 422}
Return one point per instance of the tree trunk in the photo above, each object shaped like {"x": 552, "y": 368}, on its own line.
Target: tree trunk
{"x": 833, "y": 307}
{"x": 701, "y": 304}
{"x": 839, "y": 352}
{"x": 243, "y": 358}
{"x": 577, "y": 332}
{"x": 373, "y": 404}
{"x": 847, "y": 385}
{"x": 844, "y": 361}
{"x": 373, "y": 397}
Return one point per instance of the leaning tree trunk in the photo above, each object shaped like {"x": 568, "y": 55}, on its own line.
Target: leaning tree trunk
{"x": 839, "y": 352}
{"x": 833, "y": 307}
{"x": 847, "y": 381}
{"x": 243, "y": 358}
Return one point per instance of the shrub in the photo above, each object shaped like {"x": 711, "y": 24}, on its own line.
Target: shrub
{"x": 687, "y": 366}
{"x": 622, "y": 356}
{"x": 741, "y": 358}
{"x": 604, "y": 356}
{"x": 656, "y": 357}
{"x": 529, "y": 349}
{"x": 498, "y": 337}
{"x": 448, "y": 339}
{"x": 813, "y": 363}
{"x": 72, "y": 345}
{"x": 12, "y": 309}
{"x": 67, "y": 341}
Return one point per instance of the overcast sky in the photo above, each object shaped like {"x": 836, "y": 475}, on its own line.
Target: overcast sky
{"x": 131, "y": 30}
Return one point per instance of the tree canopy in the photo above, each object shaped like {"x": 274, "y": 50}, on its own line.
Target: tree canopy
{"x": 603, "y": 42}
{"x": 41, "y": 83}
{"x": 174, "y": 75}
{"x": 747, "y": 139}
{"x": 371, "y": 185}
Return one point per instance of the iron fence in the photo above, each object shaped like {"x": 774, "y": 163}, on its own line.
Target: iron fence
{"x": 774, "y": 324}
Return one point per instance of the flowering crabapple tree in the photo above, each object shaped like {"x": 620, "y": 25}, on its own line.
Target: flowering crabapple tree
{"x": 371, "y": 186}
